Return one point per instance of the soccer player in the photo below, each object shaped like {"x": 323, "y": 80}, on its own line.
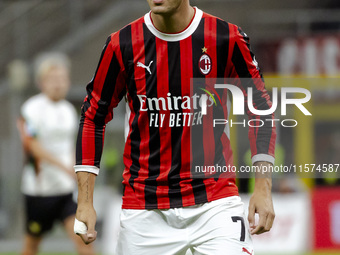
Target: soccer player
{"x": 167, "y": 207}
{"x": 47, "y": 128}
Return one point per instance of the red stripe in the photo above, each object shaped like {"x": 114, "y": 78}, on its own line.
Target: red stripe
{"x": 165, "y": 131}
{"x": 88, "y": 143}
{"x": 186, "y": 150}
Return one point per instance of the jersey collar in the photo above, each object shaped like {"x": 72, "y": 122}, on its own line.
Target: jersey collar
{"x": 177, "y": 36}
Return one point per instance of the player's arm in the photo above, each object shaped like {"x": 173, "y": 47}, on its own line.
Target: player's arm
{"x": 261, "y": 201}
{"x": 34, "y": 148}
{"x": 104, "y": 92}
{"x": 262, "y": 138}
{"x": 85, "y": 211}
{"x": 40, "y": 153}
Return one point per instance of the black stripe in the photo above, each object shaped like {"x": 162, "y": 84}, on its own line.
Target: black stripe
{"x": 122, "y": 94}
{"x": 240, "y": 64}
{"x": 222, "y": 49}
{"x": 98, "y": 134}
{"x": 218, "y": 113}
{"x": 243, "y": 72}
{"x": 197, "y": 183}
{"x": 107, "y": 92}
{"x": 79, "y": 144}
{"x": 247, "y": 40}
{"x": 154, "y": 136}
{"x": 264, "y": 135}
{"x": 125, "y": 42}
{"x": 265, "y": 132}
{"x": 86, "y": 105}
{"x": 222, "y": 41}
{"x": 174, "y": 178}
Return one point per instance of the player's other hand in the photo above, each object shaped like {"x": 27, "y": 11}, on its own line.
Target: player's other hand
{"x": 262, "y": 204}
{"x": 85, "y": 227}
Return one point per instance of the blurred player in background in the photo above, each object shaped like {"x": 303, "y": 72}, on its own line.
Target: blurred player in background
{"x": 47, "y": 128}
{"x": 166, "y": 209}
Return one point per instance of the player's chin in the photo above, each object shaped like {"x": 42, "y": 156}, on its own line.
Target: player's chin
{"x": 159, "y": 10}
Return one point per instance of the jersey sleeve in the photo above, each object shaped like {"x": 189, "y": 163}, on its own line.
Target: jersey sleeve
{"x": 247, "y": 73}
{"x": 104, "y": 92}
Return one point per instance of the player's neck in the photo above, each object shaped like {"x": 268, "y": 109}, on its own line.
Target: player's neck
{"x": 175, "y": 22}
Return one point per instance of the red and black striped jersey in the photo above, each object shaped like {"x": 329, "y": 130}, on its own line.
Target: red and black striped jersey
{"x": 166, "y": 135}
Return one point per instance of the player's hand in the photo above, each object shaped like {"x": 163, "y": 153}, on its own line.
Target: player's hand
{"x": 86, "y": 215}
{"x": 261, "y": 203}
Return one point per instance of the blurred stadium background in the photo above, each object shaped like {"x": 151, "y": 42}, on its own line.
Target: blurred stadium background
{"x": 291, "y": 39}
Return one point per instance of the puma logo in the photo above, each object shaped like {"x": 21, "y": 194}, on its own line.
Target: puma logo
{"x": 246, "y": 251}
{"x": 139, "y": 64}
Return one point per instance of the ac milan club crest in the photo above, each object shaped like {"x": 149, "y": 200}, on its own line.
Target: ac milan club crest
{"x": 205, "y": 64}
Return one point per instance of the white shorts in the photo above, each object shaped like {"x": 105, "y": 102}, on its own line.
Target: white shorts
{"x": 214, "y": 228}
